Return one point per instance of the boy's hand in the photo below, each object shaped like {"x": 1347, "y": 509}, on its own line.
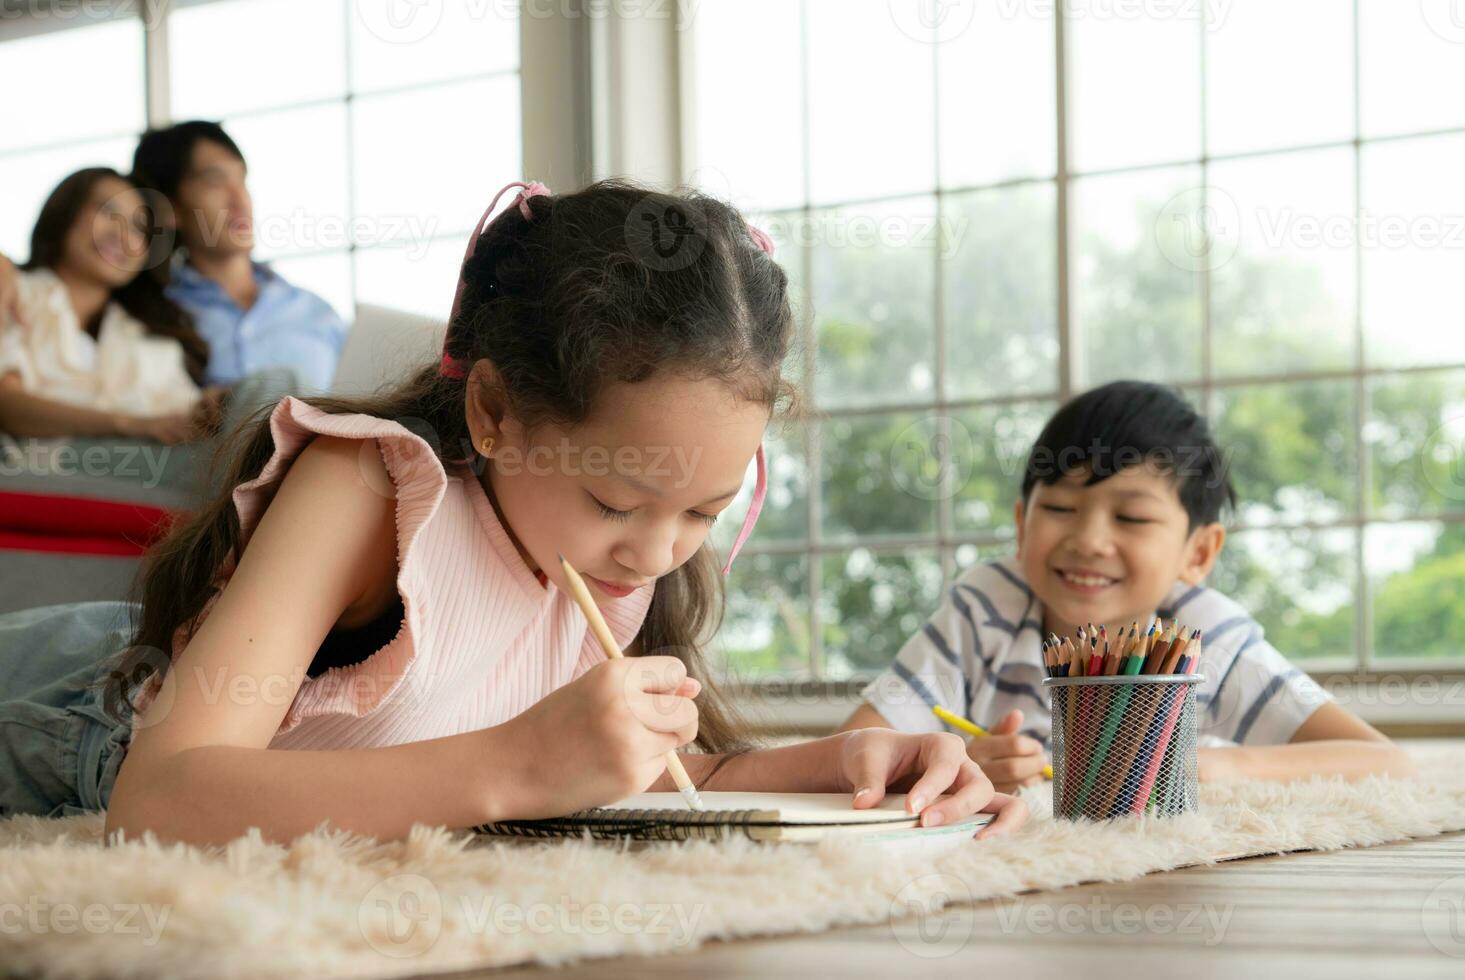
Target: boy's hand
{"x": 1010, "y": 760}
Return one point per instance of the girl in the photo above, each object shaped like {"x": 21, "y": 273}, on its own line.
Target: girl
{"x": 93, "y": 348}
{"x": 380, "y": 593}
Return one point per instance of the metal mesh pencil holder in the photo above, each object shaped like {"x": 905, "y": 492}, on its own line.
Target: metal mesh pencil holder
{"x": 1124, "y": 745}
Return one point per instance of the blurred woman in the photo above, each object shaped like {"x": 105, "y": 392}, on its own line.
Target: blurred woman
{"x": 92, "y": 347}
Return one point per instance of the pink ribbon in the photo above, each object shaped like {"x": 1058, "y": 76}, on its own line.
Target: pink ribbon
{"x": 449, "y": 367}
{"x": 760, "y": 490}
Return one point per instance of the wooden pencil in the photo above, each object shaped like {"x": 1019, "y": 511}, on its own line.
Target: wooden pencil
{"x": 613, "y": 651}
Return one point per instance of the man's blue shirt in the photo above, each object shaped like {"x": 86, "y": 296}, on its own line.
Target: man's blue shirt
{"x": 286, "y": 327}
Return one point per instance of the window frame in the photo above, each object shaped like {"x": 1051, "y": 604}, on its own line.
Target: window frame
{"x": 1361, "y": 663}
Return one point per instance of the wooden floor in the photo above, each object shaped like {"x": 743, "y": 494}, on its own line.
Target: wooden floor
{"x": 1395, "y": 911}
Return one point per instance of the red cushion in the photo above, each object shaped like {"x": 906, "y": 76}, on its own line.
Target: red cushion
{"x": 53, "y": 515}
{"x": 70, "y": 545}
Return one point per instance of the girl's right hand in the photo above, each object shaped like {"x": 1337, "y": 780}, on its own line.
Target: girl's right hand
{"x": 598, "y": 739}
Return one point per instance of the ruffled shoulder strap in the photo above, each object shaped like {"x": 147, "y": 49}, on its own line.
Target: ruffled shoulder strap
{"x": 416, "y": 475}
{"x": 416, "y": 481}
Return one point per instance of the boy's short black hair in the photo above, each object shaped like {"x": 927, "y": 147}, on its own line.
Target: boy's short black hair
{"x": 162, "y": 155}
{"x": 1127, "y": 423}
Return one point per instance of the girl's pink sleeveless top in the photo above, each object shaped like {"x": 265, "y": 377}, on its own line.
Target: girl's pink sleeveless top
{"x": 481, "y": 639}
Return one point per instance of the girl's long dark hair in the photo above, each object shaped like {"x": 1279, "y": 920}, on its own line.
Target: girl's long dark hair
{"x": 613, "y": 284}
{"x": 143, "y": 297}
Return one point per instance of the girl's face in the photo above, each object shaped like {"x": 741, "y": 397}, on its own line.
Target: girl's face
{"x": 629, "y": 495}
{"x": 107, "y": 243}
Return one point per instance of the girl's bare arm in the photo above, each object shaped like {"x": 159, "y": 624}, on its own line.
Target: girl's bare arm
{"x": 200, "y": 769}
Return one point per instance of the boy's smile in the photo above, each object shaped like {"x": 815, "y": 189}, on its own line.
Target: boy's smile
{"x": 1109, "y": 552}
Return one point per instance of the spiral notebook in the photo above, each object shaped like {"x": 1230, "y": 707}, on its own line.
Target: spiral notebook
{"x": 759, "y": 816}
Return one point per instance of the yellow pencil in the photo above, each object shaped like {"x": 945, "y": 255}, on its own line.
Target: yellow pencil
{"x": 603, "y": 634}
{"x": 957, "y": 721}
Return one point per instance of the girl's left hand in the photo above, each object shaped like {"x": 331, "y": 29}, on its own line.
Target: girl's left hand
{"x": 872, "y": 760}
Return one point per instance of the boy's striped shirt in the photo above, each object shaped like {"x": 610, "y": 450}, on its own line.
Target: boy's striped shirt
{"x": 980, "y": 655}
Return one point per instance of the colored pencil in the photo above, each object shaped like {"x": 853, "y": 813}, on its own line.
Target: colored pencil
{"x": 971, "y": 728}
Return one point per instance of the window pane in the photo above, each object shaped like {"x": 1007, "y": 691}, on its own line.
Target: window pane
{"x": 1299, "y": 584}
{"x": 791, "y": 232}
{"x": 1416, "y": 443}
{"x": 1007, "y": 49}
{"x": 967, "y": 555}
{"x": 1412, "y": 56}
{"x": 299, "y": 198}
{"x": 1414, "y": 576}
{"x": 871, "y": 105}
{"x": 1292, "y": 450}
{"x": 1283, "y": 280}
{"x": 874, "y": 478}
{"x": 1279, "y": 74}
{"x": 871, "y": 602}
{"x": 93, "y": 84}
{"x": 412, "y": 168}
{"x": 766, "y": 629}
{"x": 742, "y": 115}
{"x": 785, "y": 513}
{"x": 29, "y": 178}
{"x": 327, "y": 275}
{"x": 990, "y": 447}
{"x": 235, "y": 56}
{"x": 427, "y": 42}
{"x": 419, "y": 278}
{"x": 1414, "y": 251}
{"x": 1139, "y": 245}
{"x": 1001, "y": 303}
{"x": 872, "y": 275}
{"x": 1134, "y": 88}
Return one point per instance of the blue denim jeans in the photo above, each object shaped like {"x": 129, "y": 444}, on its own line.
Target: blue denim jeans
{"x": 60, "y": 750}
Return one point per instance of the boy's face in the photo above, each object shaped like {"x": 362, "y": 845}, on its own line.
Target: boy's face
{"x": 1108, "y": 553}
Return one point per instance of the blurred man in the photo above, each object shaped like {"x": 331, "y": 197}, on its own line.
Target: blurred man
{"x": 252, "y": 318}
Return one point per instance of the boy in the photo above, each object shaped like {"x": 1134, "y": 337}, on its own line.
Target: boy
{"x": 1119, "y": 522}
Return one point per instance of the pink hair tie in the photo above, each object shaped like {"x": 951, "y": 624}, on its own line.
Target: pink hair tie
{"x": 761, "y": 239}
{"x": 759, "y": 492}
{"x": 449, "y": 368}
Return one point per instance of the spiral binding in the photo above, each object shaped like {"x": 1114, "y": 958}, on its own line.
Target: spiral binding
{"x": 605, "y": 824}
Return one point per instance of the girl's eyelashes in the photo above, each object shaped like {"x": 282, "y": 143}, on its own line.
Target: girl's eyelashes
{"x": 1125, "y": 519}
{"x": 1055, "y": 509}
{"x": 611, "y": 514}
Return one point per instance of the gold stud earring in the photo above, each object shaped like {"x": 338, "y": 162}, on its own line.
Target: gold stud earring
{"x": 487, "y": 445}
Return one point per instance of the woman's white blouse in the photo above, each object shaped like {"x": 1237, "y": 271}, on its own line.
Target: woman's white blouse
{"x": 125, "y": 369}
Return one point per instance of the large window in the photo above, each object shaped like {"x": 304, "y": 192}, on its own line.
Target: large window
{"x": 987, "y": 207}
{"x": 46, "y": 132}
{"x": 374, "y": 132}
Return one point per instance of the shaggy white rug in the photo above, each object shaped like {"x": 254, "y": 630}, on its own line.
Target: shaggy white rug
{"x": 333, "y": 905}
